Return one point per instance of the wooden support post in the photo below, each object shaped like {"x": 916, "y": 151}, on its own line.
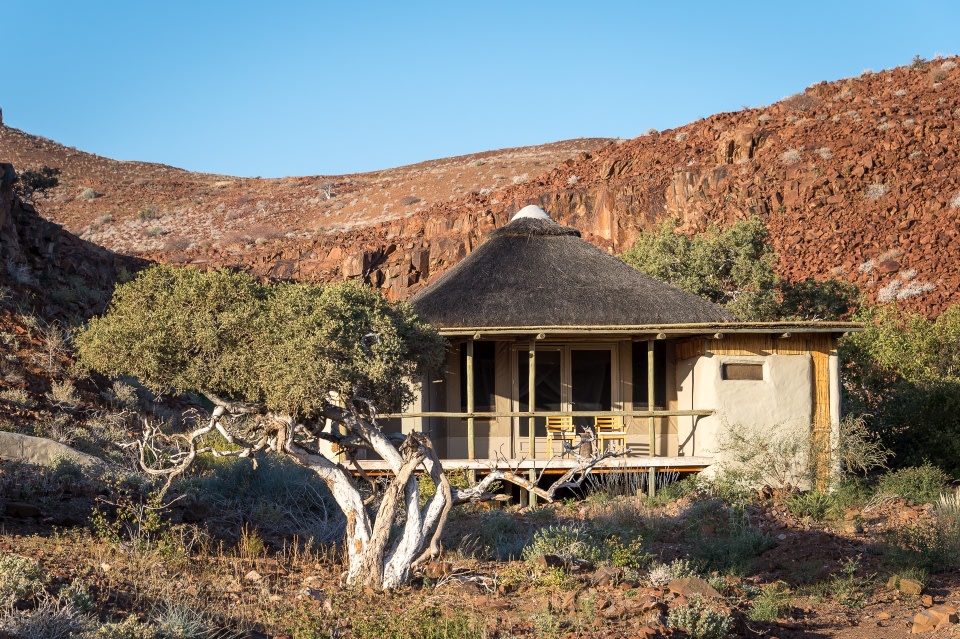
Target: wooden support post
{"x": 471, "y": 435}
{"x": 531, "y": 421}
{"x": 651, "y": 421}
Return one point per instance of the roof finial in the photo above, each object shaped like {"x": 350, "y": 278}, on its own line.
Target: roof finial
{"x": 531, "y": 211}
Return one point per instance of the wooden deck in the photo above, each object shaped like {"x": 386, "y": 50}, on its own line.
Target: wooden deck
{"x": 560, "y": 465}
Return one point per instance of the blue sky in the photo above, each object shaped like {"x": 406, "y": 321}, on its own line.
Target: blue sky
{"x": 302, "y": 88}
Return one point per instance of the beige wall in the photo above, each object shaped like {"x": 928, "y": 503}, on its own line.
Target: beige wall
{"x": 782, "y": 399}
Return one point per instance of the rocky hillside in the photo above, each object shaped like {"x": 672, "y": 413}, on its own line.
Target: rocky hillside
{"x": 857, "y": 178}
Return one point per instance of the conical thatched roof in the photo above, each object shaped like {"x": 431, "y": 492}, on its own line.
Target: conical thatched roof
{"x": 535, "y": 272}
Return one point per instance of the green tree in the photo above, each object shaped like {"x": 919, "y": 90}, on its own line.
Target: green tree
{"x": 735, "y": 267}
{"x": 301, "y": 358}
{"x": 32, "y": 182}
{"x": 903, "y": 373}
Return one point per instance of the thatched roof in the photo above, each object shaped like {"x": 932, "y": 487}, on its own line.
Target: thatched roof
{"x": 535, "y": 272}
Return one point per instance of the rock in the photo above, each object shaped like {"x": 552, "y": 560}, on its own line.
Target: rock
{"x": 883, "y": 616}
{"x": 944, "y": 613}
{"x": 910, "y": 587}
{"x": 437, "y": 569}
{"x": 926, "y": 601}
{"x": 693, "y": 586}
{"x": 551, "y": 561}
{"x": 605, "y": 576}
{"x": 21, "y": 510}
{"x": 42, "y": 452}
{"x": 646, "y": 632}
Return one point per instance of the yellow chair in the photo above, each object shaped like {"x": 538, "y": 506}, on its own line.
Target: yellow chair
{"x": 559, "y": 427}
{"x": 610, "y": 428}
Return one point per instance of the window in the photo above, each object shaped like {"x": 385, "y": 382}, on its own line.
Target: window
{"x": 742, "y": 371}
{"x": 484, "y": 377}
{"x": 640, "y": 370}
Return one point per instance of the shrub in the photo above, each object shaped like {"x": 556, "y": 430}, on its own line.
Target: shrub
{"x": 875, "y": 191}
{"x": 40, "y": 181}
{"x": 933, "y": 546}
{"x": 498, "y": 535}
{"x": 734, "y": 543}
{"x": 659, "y": 575}
{"x": 699, "y": 621}
{"x": 921, "y": 485}
{"x": 53, "y": 619}
{"x": 813, "y": 504}
{"x": 903, "y": 374}
{"x": 282, "y": 498}
{"x": 17, "y": 396}
{"x": 89, "y": 194}
{"x": 20, "y": 578}
{"x": 775, "y": 456}
{"x": 566, "y": 541}
{"x": 771, "y": 604}
{"x": 64, "y": 394}
{"x": 182, "y": 622}
{"x": 790, "y": 156}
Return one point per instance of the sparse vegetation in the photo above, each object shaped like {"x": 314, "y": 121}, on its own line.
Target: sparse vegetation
{"x": 37, "y": 182}
{"x": 700, "y": 621}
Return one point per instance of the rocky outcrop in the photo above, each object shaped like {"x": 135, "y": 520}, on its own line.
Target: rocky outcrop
{"x": 67, "y": 276}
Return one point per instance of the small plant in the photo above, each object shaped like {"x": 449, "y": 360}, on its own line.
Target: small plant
{"x": 53, "y": 619}
{"x": 947, "y": 506}
{"x": 875, "y": 191}
{"x": 813, "y": 504}
{"x": 790, "y": 156}
{"x": 955, "y": 201}
{"x": 177, "y": 621}
{"x": 20, "y": 578}
{"x": 771, "y": 604}
{"x": 64, "y": 394}
{"x": 566, "y": 541}
{"x": 147, "y": 213}
{"x": 17, "y": 396}
{"x": 659, "y": 575}
{"x": 848, "y": 589}
{"x": 699, "y": 621}
{"x": 89, "y": 194}
{"x": 123, "y": 395}
{"x": 573, "y": 180}
{"x": 920, "y": 485}
{"x": 859, "y": 449}
{"x": 132, "y": 516}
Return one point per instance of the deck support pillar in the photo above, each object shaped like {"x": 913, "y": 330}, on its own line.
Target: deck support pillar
{"x": 651, "y": 421}
{"x": 471, "y": 435}
{"x": 531, "y": 421}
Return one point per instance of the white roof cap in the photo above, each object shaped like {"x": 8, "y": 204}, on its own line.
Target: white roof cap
{"x": 531, "y": 211}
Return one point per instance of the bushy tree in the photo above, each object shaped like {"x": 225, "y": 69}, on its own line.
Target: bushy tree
{"x": 735, "y": 267}
{"x": 301, "y": 364}
{"x": 288, "y": 367}
{"x": 40, "y": 181}
{"x": 903, "y": 373}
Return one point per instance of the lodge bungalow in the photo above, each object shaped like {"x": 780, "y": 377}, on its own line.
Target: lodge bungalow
{"x": 553, "y": 340}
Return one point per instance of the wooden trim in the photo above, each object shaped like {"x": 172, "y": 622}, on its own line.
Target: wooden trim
{"x": 653, "y": 330}
{"x": 575, "y": 413}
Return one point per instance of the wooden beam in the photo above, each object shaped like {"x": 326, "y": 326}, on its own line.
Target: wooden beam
{"x": 651, "y": 421}
{"x": 550, "y": 413}
{"x": 471, "y": 406}
{"x": 532, "y": 405}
